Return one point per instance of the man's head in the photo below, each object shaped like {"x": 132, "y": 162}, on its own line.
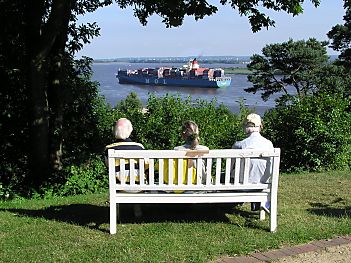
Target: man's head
{"x": 253, "y": 123}
{"x": 123, "y": 128}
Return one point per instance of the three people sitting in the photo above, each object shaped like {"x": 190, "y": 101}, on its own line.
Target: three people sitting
{"x": 259, "y": 167}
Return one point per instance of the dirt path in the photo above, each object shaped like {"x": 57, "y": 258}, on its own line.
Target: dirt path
{"x": 336, "y": 254}
{"x": 337, "y": 250}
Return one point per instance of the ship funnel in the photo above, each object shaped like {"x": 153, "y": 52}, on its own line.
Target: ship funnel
{"x": 195, "y": 64}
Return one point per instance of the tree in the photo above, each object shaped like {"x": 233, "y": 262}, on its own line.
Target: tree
{"x": 312, "y": 132}
{"x": 287, "y": 68}
{"x": 341, "y": 37}
{"x": 174, "y": 12}
{"x": 45, "y": 37}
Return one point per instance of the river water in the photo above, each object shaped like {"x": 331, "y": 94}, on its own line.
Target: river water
{"x": 105, "y": 74}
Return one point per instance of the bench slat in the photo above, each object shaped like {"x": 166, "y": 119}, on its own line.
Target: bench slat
{"x": 170, "y": 171}
{"x": 160, "y": 170}
{"x": 191, "y": 187}
{"x": 228, "y": 166}
{"x": 237, "y": 171}
{"x": 122, "y": 171}
{"x": 190, "y": 173}
{"x": 180, "y": 171}
{"x": 208, "y": 171}
{"x": 151, "y": 172}
{"x": 224, "y": 153}
{"x": 142, "y": 171}
{"x": 191, "y": 198}
{"x": 218, "y": 171}
{"x": 132, "y": 174}
{"x": 199, "y": 164}
{"x": 246, "y": 170}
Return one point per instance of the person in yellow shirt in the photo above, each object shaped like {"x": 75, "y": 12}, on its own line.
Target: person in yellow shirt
{"x": 190, "y": 135}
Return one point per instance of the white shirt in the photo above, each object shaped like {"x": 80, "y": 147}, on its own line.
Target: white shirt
{"x": 259, "y": 167}
{"x": 254, "y": 141}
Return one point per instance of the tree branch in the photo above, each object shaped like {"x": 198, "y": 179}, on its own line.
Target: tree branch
{"x": 57, "y": 23}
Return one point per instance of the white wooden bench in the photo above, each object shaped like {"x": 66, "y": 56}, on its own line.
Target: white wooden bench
{"x": 226, "y": 179}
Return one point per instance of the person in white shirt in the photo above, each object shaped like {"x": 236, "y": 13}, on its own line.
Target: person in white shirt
{"x": 259, "y": 167}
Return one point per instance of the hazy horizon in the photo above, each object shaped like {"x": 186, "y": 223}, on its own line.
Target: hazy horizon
{"x": 188, "y": 57}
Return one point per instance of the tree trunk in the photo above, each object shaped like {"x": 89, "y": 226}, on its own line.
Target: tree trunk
{"x": 57, "y": 91}
{"x": 41, "y": 37}
{"x": 56, "y": 99}
{"x": 39, "y": 124}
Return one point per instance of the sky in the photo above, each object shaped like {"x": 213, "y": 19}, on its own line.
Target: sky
{"x": 225, "y": 33}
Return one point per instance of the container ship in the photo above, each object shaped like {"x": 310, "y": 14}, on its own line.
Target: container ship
{"x": 190, "y": 75}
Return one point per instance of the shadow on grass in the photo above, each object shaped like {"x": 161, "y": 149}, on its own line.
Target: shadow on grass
{"x": 176, "y": 213}
{"x": 94, "y": 216}
{"x": 330, "y": 210}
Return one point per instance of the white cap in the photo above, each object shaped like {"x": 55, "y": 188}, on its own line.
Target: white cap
{"x": 253, "y": 118}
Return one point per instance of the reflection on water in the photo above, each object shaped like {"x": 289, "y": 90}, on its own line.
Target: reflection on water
{"x": 230, "y": 96}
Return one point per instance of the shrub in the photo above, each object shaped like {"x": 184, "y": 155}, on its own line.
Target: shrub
{"x": 90, "y": 177}
{"x": 219, "y": 128}
{"x": 162, "y": 122}
{"x": 313, "y": 133}
{"x": 160, "y": 126}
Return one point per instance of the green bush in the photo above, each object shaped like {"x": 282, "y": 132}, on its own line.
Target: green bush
{"x": 160, "y": 126}
{"x": 90, "y": 177}
{"x": 313, "y": 133}
{"x": 163, "y": 120}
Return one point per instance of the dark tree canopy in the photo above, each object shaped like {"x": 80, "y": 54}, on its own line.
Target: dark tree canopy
{"x": 340, "y": 36}
{"x": 287, "y": 67}
{"x": 173, "y": 12}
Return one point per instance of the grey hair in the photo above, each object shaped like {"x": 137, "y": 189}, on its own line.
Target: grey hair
{"x": 250, "y": 128}
{"x": 123, "y": 128}
{"x": 191, "y": 134}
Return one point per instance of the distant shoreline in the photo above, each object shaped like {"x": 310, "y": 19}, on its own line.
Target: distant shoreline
{"x": 228, "y": 70}
{"x": 202, "y": 59}
{"x": 207, "y": 60}
{"x": 237, "y": 70}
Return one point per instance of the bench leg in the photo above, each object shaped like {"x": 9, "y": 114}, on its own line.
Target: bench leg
{"x": 273, "y": 215}
{"x": 113, "y": 218}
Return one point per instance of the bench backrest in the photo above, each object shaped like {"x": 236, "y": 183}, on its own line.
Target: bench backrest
{"x": 225, "y": 169}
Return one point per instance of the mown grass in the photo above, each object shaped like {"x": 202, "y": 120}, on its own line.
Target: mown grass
{"x": 75, "y": 229}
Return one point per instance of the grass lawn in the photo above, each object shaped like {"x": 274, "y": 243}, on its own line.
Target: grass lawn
{"x": 75, "y": 229}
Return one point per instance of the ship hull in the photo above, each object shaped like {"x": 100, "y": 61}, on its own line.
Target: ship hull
{"x": 180, "y": 82}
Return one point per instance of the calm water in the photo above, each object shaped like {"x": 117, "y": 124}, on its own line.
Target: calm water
{"x": 230, "y": 96}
